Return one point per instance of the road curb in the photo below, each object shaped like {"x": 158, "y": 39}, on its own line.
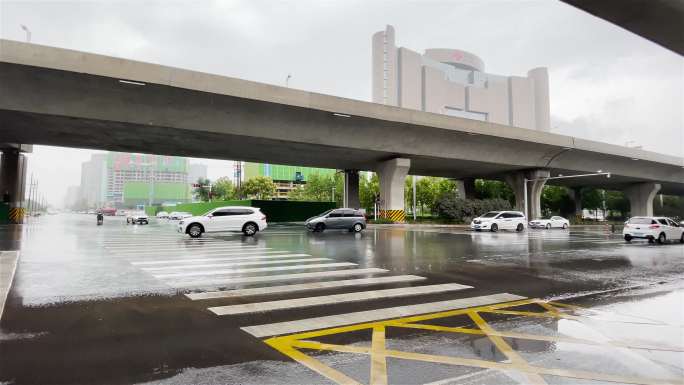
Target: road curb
{"x": 8, "y": 267}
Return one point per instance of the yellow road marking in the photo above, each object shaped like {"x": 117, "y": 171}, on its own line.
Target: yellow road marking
{"x": 311, "y": 363}
{"x": 508, "y": 351}
{"x": 378, "y": 361}
{"x": 378, "y": 352}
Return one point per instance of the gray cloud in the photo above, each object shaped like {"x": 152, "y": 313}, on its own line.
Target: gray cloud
{"x": 606, "y": 83}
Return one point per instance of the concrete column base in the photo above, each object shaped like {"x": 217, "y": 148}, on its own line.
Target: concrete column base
{"x": 641, "y": 197}
{"x": 466, "y": 188}
{"x": 391, "y": 175}
{"x": 12, "y": 182}
{"x": 351, "y": 189}
{"x": 516, "y": 181}
{"x": 576, "y": 196}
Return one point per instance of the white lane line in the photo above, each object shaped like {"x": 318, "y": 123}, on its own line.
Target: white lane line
{"x": 260, "y": 307}
{"x": 240, "y": 293}
{"x": 303, "y": 325}
{"x": 276, "y": 278}
{"x": 179, "y": 247}
{"x": 153, "y": 257}
{"x": 254, "y": 270}
{"x": 245, "y": 263}
{"x": 183, "y": 251}
{"x": 239, "y": 257}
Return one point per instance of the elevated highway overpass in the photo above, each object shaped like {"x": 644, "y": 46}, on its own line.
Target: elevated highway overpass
{"x": 54, "y": 96}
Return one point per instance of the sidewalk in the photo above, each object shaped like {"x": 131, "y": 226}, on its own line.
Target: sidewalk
{"x": 8, "y": 266}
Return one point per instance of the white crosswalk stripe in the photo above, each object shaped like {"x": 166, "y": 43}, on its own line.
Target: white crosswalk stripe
{"x": 245, "y": 263}
{"x": 302, "y": 325}
{"x": 254, "y": 270}
{"x": 235, "y": 281}
{"x": 282, "y": 289}
{"x": 235, "y": 257}
{"x": 185, "y": 252}
{"x": 259, "y": 307}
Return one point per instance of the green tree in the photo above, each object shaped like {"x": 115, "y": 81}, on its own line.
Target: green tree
{"x": 259, "y": 187}
{"x": 493, "y": 189}
{"x": 319, "y": 188}
{"x": 223, "y": 189}
{"x": 555, "y": 200}
{"x": 369, "y": 187}
{"x": 426, "y": 193}
{"x": 202, "y": 192}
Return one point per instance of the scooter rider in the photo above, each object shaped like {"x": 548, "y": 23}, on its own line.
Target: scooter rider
{"x": 100, "y": 218}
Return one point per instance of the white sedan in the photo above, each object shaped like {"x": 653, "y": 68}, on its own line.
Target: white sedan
{"x": 547, "y": 223}
{"x": 248, "y": 220}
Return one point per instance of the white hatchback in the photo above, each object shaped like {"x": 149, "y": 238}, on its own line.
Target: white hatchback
{"x": 248, "y": 220}
{"x": 499, "y": 220}
{"x": 653, "y": 228}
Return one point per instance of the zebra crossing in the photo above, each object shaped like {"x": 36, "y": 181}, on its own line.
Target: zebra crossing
{"x": 246, "y": 271}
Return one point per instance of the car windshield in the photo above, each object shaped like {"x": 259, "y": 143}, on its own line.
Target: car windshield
{"x": 490, "y": 214}
{"x": 325, "y": 213}
{"x": 640, "y": 221}
{"x": 204, "y": 215}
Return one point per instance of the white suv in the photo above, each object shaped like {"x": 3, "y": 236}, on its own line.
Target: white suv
{"x": 499, "y": 220}
{"x": 249, "y": 220}
{"x": 653, "y": 228}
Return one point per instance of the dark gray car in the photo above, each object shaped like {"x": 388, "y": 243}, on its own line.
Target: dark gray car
{"x": 350, "y": 219}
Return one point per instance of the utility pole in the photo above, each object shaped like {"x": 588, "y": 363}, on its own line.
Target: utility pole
{"x": 413, "y": 178}
{"x": 287, "y": 80}
{"x": 28, "y": 200}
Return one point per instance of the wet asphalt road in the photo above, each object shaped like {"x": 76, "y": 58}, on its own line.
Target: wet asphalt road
{"x": 107, "y": 305}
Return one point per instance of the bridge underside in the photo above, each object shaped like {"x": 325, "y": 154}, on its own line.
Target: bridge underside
{"x": 22, "y": 127}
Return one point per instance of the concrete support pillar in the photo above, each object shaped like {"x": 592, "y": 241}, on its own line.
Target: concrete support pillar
{"x": 641, "y": 197}
{"x": 351, "y": 189}
{"x": 391, "y": 175}
{"x": 466, "y": 188}
{"x": 12, "y": 182}
{"x": 516, "y": 181}
{"x": 575, "y": 194}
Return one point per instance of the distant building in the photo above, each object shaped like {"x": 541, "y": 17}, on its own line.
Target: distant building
{"x": 93, "y": 187}
{"x": 196, "y": 171}
{"x": 453, "y": 82}
{"x": 126, "y": 180}
{"x": 73, "y": 196}
{"x": 286, "y": 178}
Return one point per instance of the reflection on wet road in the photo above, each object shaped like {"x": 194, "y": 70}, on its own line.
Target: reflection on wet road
{"x": 128, "y": 304}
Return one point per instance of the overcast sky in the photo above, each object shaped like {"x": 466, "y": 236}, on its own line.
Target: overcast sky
{"x": 607, "y": 84}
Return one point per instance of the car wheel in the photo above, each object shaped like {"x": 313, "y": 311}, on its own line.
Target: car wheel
{"x": 548, "y": 226}
{"x": 661, "y": 238}
{"x": 249, "y": 229}
{"x": 319, "y": 227}
{"x": 494, "y": 228}
{"x": 357, "y": 228}
{"x": 195, "y": 231}
{"x": 565, "y": 226}
{"x": 521, "y": 227}
{"x": 628, "y": 238}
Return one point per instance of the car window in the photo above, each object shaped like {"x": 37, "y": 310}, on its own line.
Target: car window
{"x": 335, "y": 215}
{"x": 672, "y": 223}
{"x": 348, "y": 213}
{"x": 663, "y": 221}
{"x": 359, "y": 214}
{"x": 641, "y": 221}
{"x": 490, "y": 214}
{"x": 220, "y": 213}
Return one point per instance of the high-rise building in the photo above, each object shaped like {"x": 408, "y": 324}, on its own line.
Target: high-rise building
{"x": 286, "y": 178}
{"x": 453, "y": 82}
{"x": 94, "y": 181}
{"x": 196, "y": 171}
{"x": 127, "y": 180}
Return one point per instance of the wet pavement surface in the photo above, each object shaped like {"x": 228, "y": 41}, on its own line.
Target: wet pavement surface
{"x": 123, "y": 304}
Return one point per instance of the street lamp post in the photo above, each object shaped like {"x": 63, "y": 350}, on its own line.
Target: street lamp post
{"x": 525, "y": 180}
{"x": 413, "y": 178}
{"x": 28, "y": 33}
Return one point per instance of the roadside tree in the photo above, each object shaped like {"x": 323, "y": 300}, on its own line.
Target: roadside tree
{"x": 259, "y": 187}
